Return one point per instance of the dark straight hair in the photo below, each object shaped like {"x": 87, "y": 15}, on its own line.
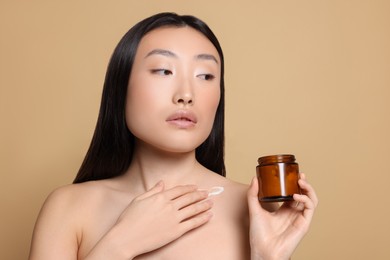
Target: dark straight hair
{"x": 111, "y": 149}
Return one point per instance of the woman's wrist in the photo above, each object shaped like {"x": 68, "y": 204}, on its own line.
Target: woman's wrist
{"x": 258, "y": 256}
{"x": 124, "y": 248}
{"x": 112, "y": 246}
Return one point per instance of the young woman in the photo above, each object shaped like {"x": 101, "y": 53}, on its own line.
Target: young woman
{"x": 152, "y": 184}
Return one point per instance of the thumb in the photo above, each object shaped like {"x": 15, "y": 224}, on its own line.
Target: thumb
{"x": 154, "y": 190}
{"x": 253, "y": 199}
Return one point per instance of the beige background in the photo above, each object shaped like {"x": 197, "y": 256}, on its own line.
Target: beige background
{"x": 305, "y": 77}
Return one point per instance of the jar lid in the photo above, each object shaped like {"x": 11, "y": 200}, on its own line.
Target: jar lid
{"x": 279, "y": 158}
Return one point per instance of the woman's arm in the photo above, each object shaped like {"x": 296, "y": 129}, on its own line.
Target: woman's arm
{"x": 55, "y": 234}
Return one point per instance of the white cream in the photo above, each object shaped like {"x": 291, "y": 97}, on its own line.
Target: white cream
{"x": 216, "y": 191}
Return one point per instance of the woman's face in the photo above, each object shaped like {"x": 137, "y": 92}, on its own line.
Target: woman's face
{"x": 174, "y": 89}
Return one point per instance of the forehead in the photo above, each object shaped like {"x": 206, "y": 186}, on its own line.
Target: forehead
{"x": 180, "y": 40}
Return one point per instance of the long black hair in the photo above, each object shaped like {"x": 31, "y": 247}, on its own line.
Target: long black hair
{"x": 111, "y": 149}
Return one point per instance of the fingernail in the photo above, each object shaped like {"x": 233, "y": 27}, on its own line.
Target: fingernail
{"x": 253, "y": 181}
{"x": 205, "y": 193}
{"x": 210, "y": 202}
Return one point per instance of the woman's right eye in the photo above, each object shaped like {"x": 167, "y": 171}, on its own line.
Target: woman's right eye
{"x": 162, "y": 72}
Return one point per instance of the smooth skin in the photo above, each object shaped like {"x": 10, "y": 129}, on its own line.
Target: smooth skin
{"x": 159, "y": 208}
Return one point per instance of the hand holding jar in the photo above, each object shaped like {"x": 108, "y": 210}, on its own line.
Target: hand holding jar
{"x": 275, "y": 234}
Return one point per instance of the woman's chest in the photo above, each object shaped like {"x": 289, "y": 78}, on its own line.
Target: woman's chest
{"x": 215, "y": 240}
{"x": 98, "y": 218}
{"x": 225, "y": 236}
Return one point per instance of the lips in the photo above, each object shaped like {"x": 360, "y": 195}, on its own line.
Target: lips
{"x": 182, "y": 119}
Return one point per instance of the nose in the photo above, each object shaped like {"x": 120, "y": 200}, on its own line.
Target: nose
{"x": 183, "y": 99}
{"x": 184, "y": 94}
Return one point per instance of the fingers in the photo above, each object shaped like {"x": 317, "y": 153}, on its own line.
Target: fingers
{"x": 307, "y": 201}
{"x": 195, "y": 221}
{"x": 307, "y": 189}
{"x": 190, "y": 198}
{"x": 168, "y": 194}
{"x": 186, "y": 200}
{"x": 305, "y": 205}
{"x": 195, "y": 209}
{"x": 193, "y": 212}
{"x": 179, "y": 191}
{"x": 252, "y": 196}
{"x": 253, "y": 188}
{"x": 156, "y": 189}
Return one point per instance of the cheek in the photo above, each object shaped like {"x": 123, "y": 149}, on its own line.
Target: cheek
{"x": 212, "y": 100}
{"x": 138, "y": 102}
{"x": 144, "y": 104}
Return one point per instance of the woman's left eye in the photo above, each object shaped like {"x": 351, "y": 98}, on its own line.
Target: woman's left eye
{"x": 207, "y": 77}
{"x": 163, "y": 72}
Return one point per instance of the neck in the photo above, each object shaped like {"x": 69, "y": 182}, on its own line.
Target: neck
{"x": 150, "y": 165}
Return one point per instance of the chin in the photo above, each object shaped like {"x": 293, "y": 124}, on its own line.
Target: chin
{"x": 179, "y": 148}
{"x": 174, "y": 146}
{"x": 173, "y": 142}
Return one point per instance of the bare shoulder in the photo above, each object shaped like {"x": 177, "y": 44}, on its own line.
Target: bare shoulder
{"x": 70, "y": 197}
{"x": 230, "y": 214}
{"x": 237, "y": 188}
{"x": 58, "y": 228}
{"x": 231, "y": 188}
{"x": 233, "y": 199}
{"x": 67, "y": 200}
{"x": 74, "y": 202}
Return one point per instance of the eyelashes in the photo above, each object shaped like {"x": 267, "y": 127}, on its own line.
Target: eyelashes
{"x": 162, "y": 72}
{"x": 166, "y": 72}
{"x": 207, "y": 77}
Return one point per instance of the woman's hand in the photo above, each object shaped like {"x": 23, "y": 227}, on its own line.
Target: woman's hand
{"x": 275, "y": 235}
{"x": 155, "y": 219}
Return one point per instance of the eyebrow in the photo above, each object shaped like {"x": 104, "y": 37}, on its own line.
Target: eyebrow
{"x": 161, "y": 52}
{"x": 168, "y": 53}
{"x": 206, "y": 57}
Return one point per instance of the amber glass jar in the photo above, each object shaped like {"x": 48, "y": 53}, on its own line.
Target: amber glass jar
{"x": 278, "y": 177}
